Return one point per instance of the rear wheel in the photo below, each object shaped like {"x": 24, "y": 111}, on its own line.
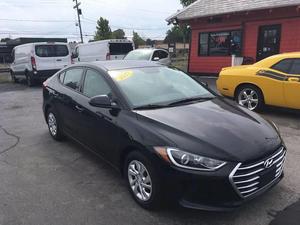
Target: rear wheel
{"x": 250, "y": 97}
{"x": 29, "y": 81}
{"x": 53, "y": 125}
{"x": 13, "y": 77}
{"x": 142, "y": 180}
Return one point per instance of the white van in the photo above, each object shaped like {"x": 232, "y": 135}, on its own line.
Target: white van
{"x": 114, "y": 49}
{"x": 38, "y": 61}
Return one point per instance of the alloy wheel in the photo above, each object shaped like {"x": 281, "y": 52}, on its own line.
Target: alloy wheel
{"x": 52, "y": 124}
{"x": 139, "y": 180}
{"x": 248, "y": 98}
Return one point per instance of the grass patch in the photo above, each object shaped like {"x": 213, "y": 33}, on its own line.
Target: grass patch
{"x": 4, "y": 78}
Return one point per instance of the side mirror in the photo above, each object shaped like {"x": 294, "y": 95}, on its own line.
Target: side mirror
{"x": 74, "y": 55}
{"x": 102, "y": 101}
{"x": 156, "y": 59}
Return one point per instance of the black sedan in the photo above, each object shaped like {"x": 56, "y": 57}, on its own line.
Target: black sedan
{"x": 171, "y": 137}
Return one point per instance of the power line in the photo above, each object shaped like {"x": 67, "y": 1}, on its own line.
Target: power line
{"x": 124, "y": 27}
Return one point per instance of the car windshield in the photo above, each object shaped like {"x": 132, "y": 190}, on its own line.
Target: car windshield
{"x": 139, "y": 55}
{"x": 158, "y": 86}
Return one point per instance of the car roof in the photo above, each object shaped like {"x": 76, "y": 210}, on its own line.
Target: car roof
{"x": 267, "y": 62}
{"x": 122, "y": 64}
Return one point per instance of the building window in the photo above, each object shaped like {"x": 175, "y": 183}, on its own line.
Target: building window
{"x": 223, "y": 43}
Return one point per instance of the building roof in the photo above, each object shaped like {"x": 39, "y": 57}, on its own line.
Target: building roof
{"x": 204, "y": 8}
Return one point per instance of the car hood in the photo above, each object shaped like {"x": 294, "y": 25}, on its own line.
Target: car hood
{"x": 215, "y": 128}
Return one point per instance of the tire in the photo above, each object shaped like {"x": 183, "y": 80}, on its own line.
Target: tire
{"x": 250, "y": 97}
{"x": 29, "y": 81}
{"x": 54, "y": 125}
{"x": 146, "y": 179}
{"x": 13, "y": 77}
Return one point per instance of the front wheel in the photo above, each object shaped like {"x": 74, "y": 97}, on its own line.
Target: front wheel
{"x": 142, "y": 180}
{"x": 54, "y": 126}
{"x": 250, "y": 97}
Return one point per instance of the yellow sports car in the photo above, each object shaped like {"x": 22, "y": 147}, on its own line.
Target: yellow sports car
{"x": 272, "y": 81}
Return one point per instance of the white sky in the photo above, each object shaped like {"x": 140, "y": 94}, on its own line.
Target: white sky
{"x": 57, "y": 17}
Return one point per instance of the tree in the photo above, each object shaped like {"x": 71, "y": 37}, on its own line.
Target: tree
{"x": 137, "y": 40}
{"x": 177, "y": 34}
{"x": 118, "y": 34}
{"x": 187, "y": 2}
{"x": 149, "y": 42}
{"x": 103, "y": 30}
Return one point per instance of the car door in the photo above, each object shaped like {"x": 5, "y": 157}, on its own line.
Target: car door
{"x": 62, "y": 56}
{"x": 98, "y": 126}
{"x": 44, "y": 57}
{"x": 161, "y": 56}
{"x": 164, "y": 57}
{"x": 292, "y": 85}
{"x": 67, "y": 99}
{"x": 272, "y": 82}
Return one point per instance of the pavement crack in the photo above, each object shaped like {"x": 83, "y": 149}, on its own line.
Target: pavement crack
{"x": 11, "y": 135}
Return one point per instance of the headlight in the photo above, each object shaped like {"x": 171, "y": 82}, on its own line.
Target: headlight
{"x": 187, "y": 160}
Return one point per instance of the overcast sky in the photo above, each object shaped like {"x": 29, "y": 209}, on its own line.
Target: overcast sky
{"x": 56, "y": 18}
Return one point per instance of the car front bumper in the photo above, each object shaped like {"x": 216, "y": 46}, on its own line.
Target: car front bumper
{"x": 227, "y": 188}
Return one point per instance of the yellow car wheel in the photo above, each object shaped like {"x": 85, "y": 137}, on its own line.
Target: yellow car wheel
{"x": 250, "y": 97}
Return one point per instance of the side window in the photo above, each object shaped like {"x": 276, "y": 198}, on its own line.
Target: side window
{"x": 295, "y": 69}
{"x": 62, "y": 77}
{"x": 73, "y": 77}
{"x": 155, "y": 55}
{"x": 163, "y": 55}
{"x": 283, "y": 66}
{"x": 95, "y": 84}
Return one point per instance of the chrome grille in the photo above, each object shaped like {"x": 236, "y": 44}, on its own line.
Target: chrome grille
{"x": 247, "y": 179}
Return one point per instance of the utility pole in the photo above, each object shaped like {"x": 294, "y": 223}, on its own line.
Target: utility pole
{"x": 79, "y": 12}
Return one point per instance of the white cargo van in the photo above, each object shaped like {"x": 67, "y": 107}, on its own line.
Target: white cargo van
{"x": 114, "y": 49}
{"x": 38, "y": 61}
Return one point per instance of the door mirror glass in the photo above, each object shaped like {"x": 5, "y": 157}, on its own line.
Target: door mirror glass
{"x": 102, "y": 101}
{"x": 156, "y": 59}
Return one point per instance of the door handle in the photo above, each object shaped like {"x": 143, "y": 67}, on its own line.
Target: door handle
{"x": 59, "y": 60}
{"x": 79, "y": 109}
{"x": 294, "y": 79}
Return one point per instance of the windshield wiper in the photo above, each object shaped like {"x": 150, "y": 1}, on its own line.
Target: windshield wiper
{"x": 150, "y": 106}
{"x": 187, "y": 100}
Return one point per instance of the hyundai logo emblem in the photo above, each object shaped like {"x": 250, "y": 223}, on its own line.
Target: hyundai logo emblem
{"x": 268, "y": 163}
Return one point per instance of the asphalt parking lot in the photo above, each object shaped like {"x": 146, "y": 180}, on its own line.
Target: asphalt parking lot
{"x": 46, "y": 182}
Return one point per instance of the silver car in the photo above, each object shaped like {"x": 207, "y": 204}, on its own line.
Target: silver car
{"x": 161, "y": 56}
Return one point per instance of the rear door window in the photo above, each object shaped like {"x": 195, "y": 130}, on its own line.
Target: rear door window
{"x": 295, "y": 69}
{"x": 120, "y": 48}
{"x": 283, "y": 66}
{"x": 51, "y": 50}
{"x": 73, "y": 78}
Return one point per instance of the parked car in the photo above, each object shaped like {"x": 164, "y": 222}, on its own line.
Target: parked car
{"x": 166, "y": 133}
{"x": 114, "y": 49}
{"x": 272, "y": 81}
{"x": 39, "y": 61}
{"x": 161, "y": 56}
